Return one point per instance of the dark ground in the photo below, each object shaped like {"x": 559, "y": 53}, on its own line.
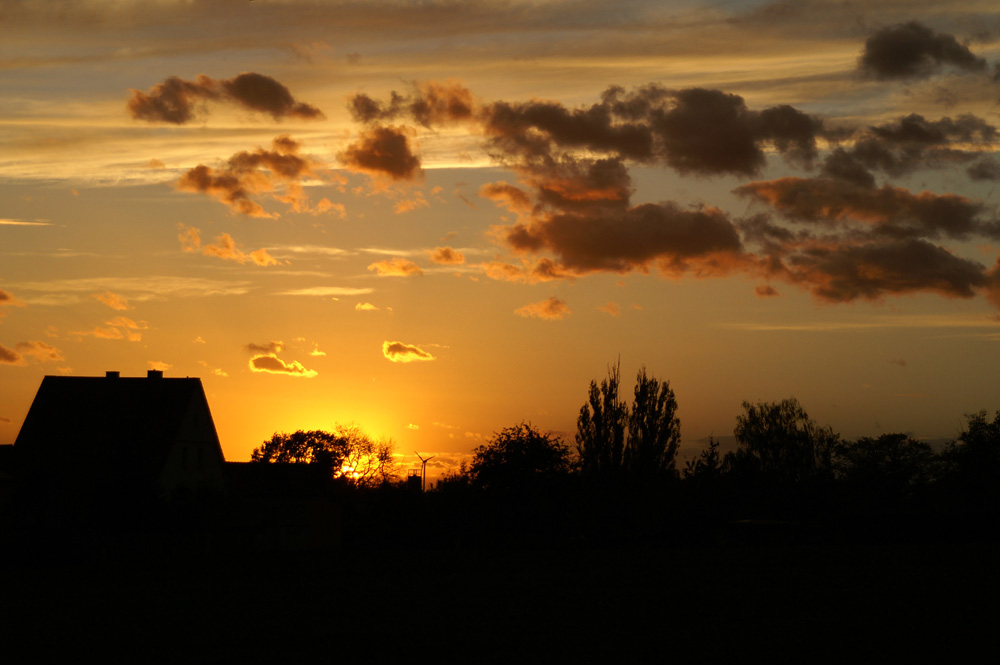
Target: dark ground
{"x": 787, "y": 603}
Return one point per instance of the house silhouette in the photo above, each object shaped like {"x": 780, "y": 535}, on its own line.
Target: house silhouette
{"x": 119, "y": 437}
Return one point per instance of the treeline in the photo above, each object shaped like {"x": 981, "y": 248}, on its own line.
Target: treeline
{"x": 789, "y": 478}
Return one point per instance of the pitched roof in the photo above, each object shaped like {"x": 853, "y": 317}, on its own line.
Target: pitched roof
{"x": 110, "y": 423}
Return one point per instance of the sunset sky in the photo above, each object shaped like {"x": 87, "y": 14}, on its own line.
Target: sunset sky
{"x": 436, "y": 219}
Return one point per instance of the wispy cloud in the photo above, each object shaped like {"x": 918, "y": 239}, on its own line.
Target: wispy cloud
{"x": 550, "y": 309}
{"x": 327, "y": 291}
{"x": 20, "y": 222}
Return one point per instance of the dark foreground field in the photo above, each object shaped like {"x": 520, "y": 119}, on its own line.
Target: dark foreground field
{"x": 789, "y": 603}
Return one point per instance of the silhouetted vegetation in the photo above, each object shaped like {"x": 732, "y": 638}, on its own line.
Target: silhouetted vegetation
{"x": 615, "y": 442}
{"x": 789, "y": 479}
{"x": 347, "y": 453}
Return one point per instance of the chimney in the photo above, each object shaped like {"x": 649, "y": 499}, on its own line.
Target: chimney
{"x": 111, "y": 375}
{"x": 154, "y": 374}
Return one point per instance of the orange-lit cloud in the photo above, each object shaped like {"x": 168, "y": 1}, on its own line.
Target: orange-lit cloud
{"x": 272, "y": 364}
{"x": 507, "y": 196}
{"x": 248, "y": 173}
{"x": 40, "y": 351}
{"x": 178, "y": 101}
{"x": 159, "y": 365}
{"x": 447, "y": 256}
{"x": 396, "y": 267}
{"x": 612, "y": 308}
{"x": 365, "y": 307}
{"x": 765, "y": 291}
{"x": 550, "y": 309}
{"x": 112, "y": 300}
{"x": 398, "y": 352}
{"x": 223, "y": 248}
{"x": 383, "y": 152}
{"x": 120, "y": 327}
{"x": 418, "y": 200}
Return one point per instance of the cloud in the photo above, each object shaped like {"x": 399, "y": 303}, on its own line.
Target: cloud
{"x": 397, "y": 267}
{"x": 846, "y": 271}
{"x": 159, "y": 365}
{"x": 702, "y": 240}
{"x": 365, "y": 307}
{"x": 271, "y": 364}
{"x": 269, "y": 348}
{"x": 765, "y": 291}
{"x": 507, "y": 196}
{"x": 152, "y": 287}
{"x": 120, "y": 327}
{"x": 912, "y": 142}
{"x": 316, "y": 352}
{"x": 447, "y": 256}
{"x": 112, "y": 300}
{"x": 260, "y": 171}
{"x": 20, "y": 222}
{"x": 178, "y": 101}
{"x": 327, "y": 291}
{"x": 7, "y": 299}
{"x": 888, "y": 211}
{"x": 912, "y": 50}
{"x": 399, "y": 352}
{"x": 223, "y": 248}
{"x": 383, "y": 152}
{"x": 40, "y": 351}
{"x": 10, "y": 357}
{"x": 611, "y": 308}
{"x": 430, "y": 103}
{"x": 551, "y": 309}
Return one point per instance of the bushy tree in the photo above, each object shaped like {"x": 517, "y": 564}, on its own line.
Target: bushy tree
{"x": 778, "y": 441}
{"x": 883, "y": 473}
{"x": 519, "y": 457}
{"x": 346, "y": 453}
{"x": 973, "y": 463}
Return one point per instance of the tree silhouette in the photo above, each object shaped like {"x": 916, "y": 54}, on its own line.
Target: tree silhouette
{"x": 346, "y": 453}
{"x": 884, "y": 472}
{"x": 517, "y": 458}
{"x": 654, "y": 431}
{"x": 778, "y": 441}
{"x": 640, "y": 442}
{"x": 600, "y": 427}
{"x": 973, "y": 463}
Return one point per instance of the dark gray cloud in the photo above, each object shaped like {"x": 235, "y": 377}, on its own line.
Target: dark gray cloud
{"x": 845, "y": 272}
{"x": 383, "y": 151}
{"x": 886, "y": 211}
{"x": 178, "y": 101}
{"x": 621, "y": 241}
{"x": 429, "y": 103}
{"x": 909, "y": 144}
{"x": 912, "y": 50}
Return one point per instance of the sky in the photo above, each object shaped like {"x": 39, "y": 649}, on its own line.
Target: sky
{"x": 438, "y": 219}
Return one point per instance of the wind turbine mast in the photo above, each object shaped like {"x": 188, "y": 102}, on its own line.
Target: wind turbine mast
{"x": 423, "y": 470}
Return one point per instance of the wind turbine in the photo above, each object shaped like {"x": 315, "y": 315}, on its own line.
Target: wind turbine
{"x": 423, "y": 469}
